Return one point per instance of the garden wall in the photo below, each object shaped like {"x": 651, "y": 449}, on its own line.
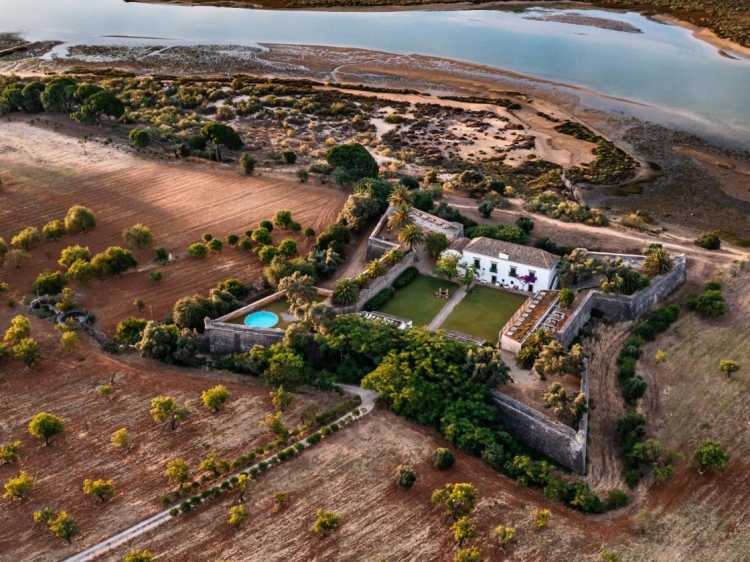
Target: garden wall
{"x": 559, "y": 442}
{"x": 222, "y": 338}
{"x": 385, "y": 281}
{"x": 624, "y": 307}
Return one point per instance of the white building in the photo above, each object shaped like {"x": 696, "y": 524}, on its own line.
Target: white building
{"x": 504, "y": 264}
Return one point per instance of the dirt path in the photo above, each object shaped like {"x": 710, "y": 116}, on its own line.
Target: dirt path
{"x": 604, "y": 457}
{"x": 612, "y": 238}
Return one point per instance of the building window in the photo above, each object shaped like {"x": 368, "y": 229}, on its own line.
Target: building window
{"x": 476, "y": 263}
{"x": 493, "y": 267}
{"x": 532, "y": 276}
{"x": 513, "y": 272}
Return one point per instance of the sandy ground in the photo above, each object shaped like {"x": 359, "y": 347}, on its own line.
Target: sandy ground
{"x": 45, "y": 173}
{"x": 65, "y": 385}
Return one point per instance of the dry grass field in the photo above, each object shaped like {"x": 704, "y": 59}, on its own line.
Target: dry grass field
{"x": 66, "y": 385}
{"x": 44, "y": 173}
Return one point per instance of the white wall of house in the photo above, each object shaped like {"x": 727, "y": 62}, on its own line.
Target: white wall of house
{"x": 503, "y": 272}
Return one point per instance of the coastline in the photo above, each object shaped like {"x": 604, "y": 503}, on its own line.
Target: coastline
{"x": 706, "y": 35}
{"x": 701, "y": 33}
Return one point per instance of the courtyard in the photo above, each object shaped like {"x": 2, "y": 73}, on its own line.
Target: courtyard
{"x": 480, "y": 312}
{"x": 417, "y": 301}
{"x": 483, "y": 312}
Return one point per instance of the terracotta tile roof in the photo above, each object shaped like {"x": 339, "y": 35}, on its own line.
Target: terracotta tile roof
{"x": 515, "y": 252}
{"x": 459, "y": 244}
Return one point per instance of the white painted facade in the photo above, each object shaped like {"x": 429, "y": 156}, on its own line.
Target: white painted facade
{"x": 505, "y": 273}
{"x": 494, "y": 265}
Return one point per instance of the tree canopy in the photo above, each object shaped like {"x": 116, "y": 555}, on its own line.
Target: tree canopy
{"x": 354, "y": 159}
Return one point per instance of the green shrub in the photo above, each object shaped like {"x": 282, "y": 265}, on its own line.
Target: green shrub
{"x": 247, "y": 163}
{"x": 405, "y": 277}
{"x": 405, "y": 476}
{"x": 616, "y": 498}
{"x": 174, "y": 512}
{"x": 197, "y": 250}
{"x": 48, "y": 283}
{"x": 288, "y": 157}
{"x": 709, "y": 241}
{"x": 380, "y": 299}
{"x": 326, "y": 431}
{"x": 314, "y": 439}
{"x": 443, "y": 459}
{"x": 708, "y": 303}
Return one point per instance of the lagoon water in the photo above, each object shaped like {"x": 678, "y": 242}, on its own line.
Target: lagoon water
{"x": 665, "y": 67}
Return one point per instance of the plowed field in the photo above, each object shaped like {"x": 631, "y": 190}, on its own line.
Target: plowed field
{"x": 44, "y": 173}
{"x": 66, "y": 386}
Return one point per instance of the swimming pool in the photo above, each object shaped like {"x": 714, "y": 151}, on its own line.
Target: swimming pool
{"x": 261, "y": 319}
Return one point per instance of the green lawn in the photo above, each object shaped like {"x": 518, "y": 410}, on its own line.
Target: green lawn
{"x": 417, "y": 301}
{"x": 483, "y": 312}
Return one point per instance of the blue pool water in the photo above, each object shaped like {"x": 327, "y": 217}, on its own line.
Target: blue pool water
{"x": 262, "y": 319}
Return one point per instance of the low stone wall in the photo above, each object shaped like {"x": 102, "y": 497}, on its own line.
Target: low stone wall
{"x": 624, "y": 307}
{"x": 385, "y": 281}
{"x": 560, "y": 442}
{"x": 222, "y": 338}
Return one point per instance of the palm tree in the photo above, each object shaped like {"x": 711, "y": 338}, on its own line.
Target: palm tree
{"x": 361, "y": 280}
{"x": 400, "y": 196}
{"x": 411, "y": 235}
{"x": 345, "y": 292}
{"x": 392, "y": 257}
{"x": 657, "y": 262}
{"x": 400, "y": 217}
{"x": 375, "y": 268}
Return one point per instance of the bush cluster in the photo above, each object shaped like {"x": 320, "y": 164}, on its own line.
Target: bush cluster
{"x": 710, "y": 302}
{"x": 405, "y": 277}
{"x": 380, "y": 299}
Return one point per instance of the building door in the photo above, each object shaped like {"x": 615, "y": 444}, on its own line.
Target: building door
{"x": 494, "y": 279}
{"x": 530, "y": 288}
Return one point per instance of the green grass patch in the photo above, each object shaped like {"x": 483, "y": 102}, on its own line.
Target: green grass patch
{"x": 417, "y": 301}
{"x": 483, "y": 312}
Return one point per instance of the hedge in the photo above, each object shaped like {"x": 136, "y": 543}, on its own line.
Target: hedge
{"x": 406, "y": 277}
{"x": 380, "y": 299}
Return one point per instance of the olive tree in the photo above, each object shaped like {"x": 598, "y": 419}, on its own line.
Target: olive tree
{"x": 281, "y": 399}
{"x": 53, "y": 230}
{"x": 9, "y": 452}
{"x": 139, "y": 556}
{"x": 20, "y": 487}
{"x": 121, "y": 439}
{"x": 27, "y": 238}
{"x": 238, "y": 514}
{"x": 458, "y": 500}
{"x": 463, "y": 529}
{"x": 214, "y": 398}
{"x": 178, "y": 471}
{"x": 326, "y": 521}
{"x": 79, "y": 219}
{"x": 709, "y": 454}
{"x": 138, "y": 236}
{"x": 61, "y": 524}
{"x": 102, "y": 489}
{"x": 44, "y": 426}
{"x": 165, "y": 408}
{"x": 727, "y": 366}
